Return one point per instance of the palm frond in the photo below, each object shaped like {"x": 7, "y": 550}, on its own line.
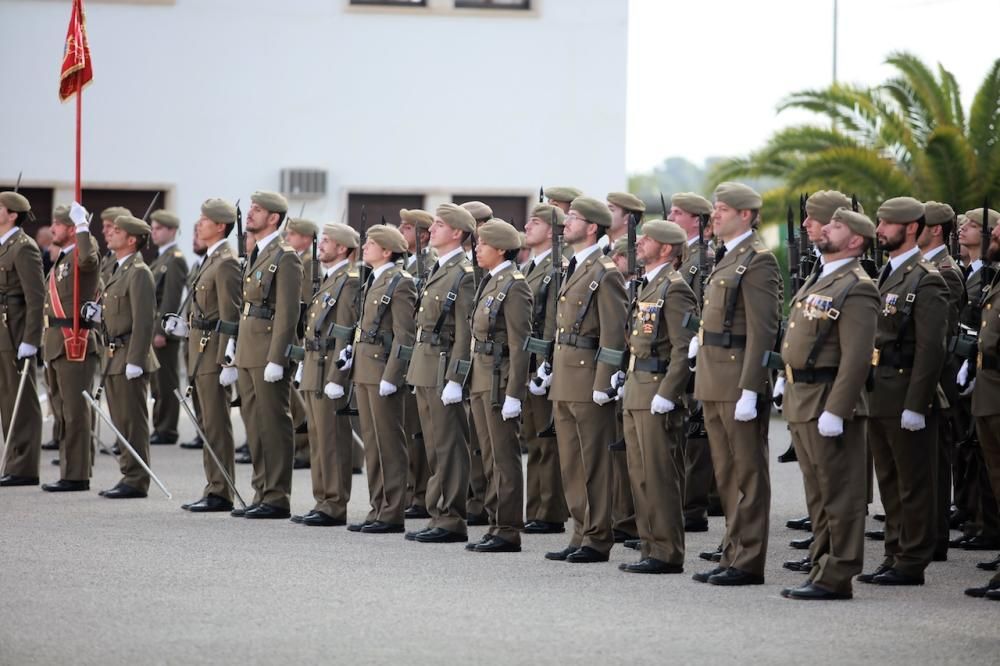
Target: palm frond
{"x": 954, "y": 166}
{"x": 949, "y": 85}
{"x": 853, "y": 170}
{"x": 927, "y": 93}
{"x": 984, "y": 121}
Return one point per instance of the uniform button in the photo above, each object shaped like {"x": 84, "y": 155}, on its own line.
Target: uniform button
{"x": 706, "y": 301}
{"x": 635, "y": 332}
{"x": 562, "y": 330}
{"x": 562, "y": 298}
{"x": 798, "y": 305}
{"x": 732, "y": 358}
{"x": 375, "y": 356}
{"x": 722, "y": 282}
{"x": 786, "y": 345}
{"x": 581, "y": 362}
{"x": 248, "y": 280}
{"x": 421, "y": 308}
{"x": 900, "y": 371}
{"x": 632, "y": 349}
{"x": 792, "y": 325}
{"x": 655, "y": 378}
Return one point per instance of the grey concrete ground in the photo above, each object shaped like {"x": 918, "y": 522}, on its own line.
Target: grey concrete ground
{"x": 85, "y": 580}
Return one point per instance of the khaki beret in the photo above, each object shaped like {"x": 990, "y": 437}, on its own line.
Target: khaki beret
{"x": 938, "y": 213}
{"x": 627, "y": 201}
{"x": 821, "y": 205}
{"x": 458, "y": 217}
{"x": 61, "y": 214}
{"x": 219, "y": 211}
{"x": 388, "y": 238}
{"x": 479, "y": 210}
{"x": 962, "y": 220}
{"x": 302, "y": 226}
{"x": 499, "y": 234}
{"x": 663, "y": 231}
{"x": 14, "y": 202}
{"x": 544, "y": 212}
{"x": 738, "y": 196}
{"x": 976, "y": 216}
{"x": 270, "y": 201}
{"x": 857, "y": 222}
{"x": 900, "y": 210}
{"x": 692, "y": 203}
{"x": 592, "y": 210}
{"x": 115, "y": 212}
{"x": 522, "y": 238}
{"x": 620, "y": 246}
{"x": 341, "y": 234}
{"x": 418, "y": 218}
{"x": 566, "y": 194}
{"x": 133, "y": 226}
{"x": 165, "y": 218}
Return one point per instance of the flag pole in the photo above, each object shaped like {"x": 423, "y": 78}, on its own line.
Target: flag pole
{"x": 76, "y": 248}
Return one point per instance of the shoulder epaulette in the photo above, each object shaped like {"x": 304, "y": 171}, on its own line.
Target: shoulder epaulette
{"x": 405, "y": 274}
{"x": 467, "y": 269}
{"x": 606, "y": 262}
{"x": 517, "y": 275}
{"x": 178, "y": 253}
{"x": 353, "y": 272}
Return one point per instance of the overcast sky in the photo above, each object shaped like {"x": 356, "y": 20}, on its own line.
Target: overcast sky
{"x": 705, "y": 78}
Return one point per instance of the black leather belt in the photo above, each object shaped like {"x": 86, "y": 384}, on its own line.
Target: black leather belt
{"x": 578, "y": 341}
{"x": 490, "y": 348}
{"x": 320, "y": 345}
{"x": 894, "y": 358}
{"x": 204, "y": 324}
{"x": 428, "y": 337}
{"x": 258, "y": 311}
{"x": 727, "y": 340}
{"x": 810, "y": 375}
{"x": 59, "y": 322}
{"x": 655, "y": 365}
{"x": 12, "y": 299}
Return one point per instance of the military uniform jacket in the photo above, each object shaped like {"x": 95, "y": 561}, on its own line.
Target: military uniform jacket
{"x": 308, "y": 266}
{"x": 656, "y": 332}
{"x": 377, "y": 358}
{"x": 265, "y": 339}
{"x": 22, "y": 292}
{"x": 689, "y": 267}
{"x": 335, "y": 303}
{"x": 506, "y": 300}
{"x": 453, "y": 343}
{"x": 955, "y": 281}
{"x": 62, "y": 274}
{"x": 170, "y": 271}
{"x": 543, "y": 313}
{"x": 128, "y": 317}
{"x": 986, "y": 394}
{"x": 911, "y": 332}
{"x": 430, "y": 256}
{"x": 576, "y": 373}
{"x": 973, "y": 292}
{"x": 836, "y": 316}
{"x": 215, "y": 296}
{"x": 723, "y": 372}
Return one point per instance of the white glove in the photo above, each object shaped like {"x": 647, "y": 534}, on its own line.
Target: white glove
{"x": 79, "y": 215}
{"x": 602, "y": 398}
{"x": 386, "y": 389}
{"x": 693, "y": 347}
{"x": 132, "y": 371}
{"x": 545, "y": 375}
{"x": 779, "y": 388}
{"x": 333, "y": 391}
{"x": 228, "y": 376}
{"x": 298, "y": 375}
{"x": 968, "y": 391}
{"x": 346, "y": 358}
{"x": 273, "y": 372}
{"x": 452, "y": 393}
{"x": 230, "y": 351}
{"x": 511, "y": 408}
{"x": 830, "y": 425}
{"x": 963, "y": 374}
{"x": 175, "y": 326}
{"x": 537, "y": 389}
{"x": 661, "y": 405}
{"x": 91, "y": 312}
{"x": 912, "y": 421}
{"x": 24, "y": 350}
{"x": 746, "y": 406}
{"x": 617, "y": 379}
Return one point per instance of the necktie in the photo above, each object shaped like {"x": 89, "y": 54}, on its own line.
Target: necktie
{"x": 254, "y": 255}
{"x": 571, "y": 267}
{"x": 114, "y": 268}
{"x": 643, "y": 283}
{"x": 482, "y": 285}
{"x": 720, "y": 253}
{"x": 885, "y": 274}
{"x": 531, "y": 267}
{"x": 437, "y": 265}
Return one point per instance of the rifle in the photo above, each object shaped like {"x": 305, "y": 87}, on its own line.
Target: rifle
{"x": 807, "y": 257}
{"x": 954, "y": 247}
{"x": 633, "y": 264}
{"x": 419, "y": 260}
{"x": 868, "y": 259}
{"x": 989, "y": 271}
{"x": 702, "y": 256}
{"x": 17, "y": 185}
{"x": 477, "y": 270}
{"x": 538, "y": 345}
{"x": 149, "y": 209}
{"x": 792, "y": 244}
{"x": 541, "y": 193}
{"x": 359, "y": 297}
{"x": 241, "y": 238}
{"x": 315, "y": 264}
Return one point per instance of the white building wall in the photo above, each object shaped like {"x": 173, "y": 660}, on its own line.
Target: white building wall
{"x": 213, "y": 97}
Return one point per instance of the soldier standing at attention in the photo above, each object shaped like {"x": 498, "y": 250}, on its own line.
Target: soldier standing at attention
{"x": 902, "y": 431}
{"x": 739, "y": 322}
{"x": 170, "y": 271}
{"x": 272, "y": 291}
{"x": 22, "y": 298}
{"x": 299, "y": 233}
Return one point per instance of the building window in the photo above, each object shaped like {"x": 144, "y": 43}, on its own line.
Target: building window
{"x": 395, "y": 3}
{"x": 493, "y": 4}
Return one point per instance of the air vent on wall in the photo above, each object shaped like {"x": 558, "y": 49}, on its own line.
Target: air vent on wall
{"x": 303, "y": 183}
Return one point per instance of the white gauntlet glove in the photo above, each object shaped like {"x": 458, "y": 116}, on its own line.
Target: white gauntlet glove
{"x": 661, "y": 405}
{"x": 228, "y": 376}
{"x": 912, "y": 421}
{"x": 602, "y": 398}
{"x": 618, "y": 379}
{"x": 778, "y": 394}
{"x": 830, "y": 425}
{"x": 511, "y": 408}
{"x": 230, "y": 355}
{"x": 333, "y": 391}
{"x": 24, "y": 350}
{"x": 386, "y": 389}
{"x": 91, "y": 312}
{"x": 693, "y": 347}
{"x": 746, "y": 406}
{"x": 175, "y": 326}
{"x": 79, "y": 215}
{"x": 273, "y": 373}
{"x": 452, "y": 393}
{"x": 298, "y": 375}
{"x": 132, "y": 371}
{"x": 545, "y": 374}
{"x": 346, "y": 358}
{"x": 537, "y": 389}
{"x": 963, "y": 374}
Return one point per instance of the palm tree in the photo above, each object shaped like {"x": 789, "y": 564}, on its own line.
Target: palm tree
{"x": 907, "y": 136}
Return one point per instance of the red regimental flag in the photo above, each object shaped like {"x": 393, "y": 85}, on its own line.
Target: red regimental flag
{"x": 77, "y": 70}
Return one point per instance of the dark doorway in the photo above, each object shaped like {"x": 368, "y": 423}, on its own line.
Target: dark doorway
{"x": 509, "y": 209}
{"x": 377, "y": 206}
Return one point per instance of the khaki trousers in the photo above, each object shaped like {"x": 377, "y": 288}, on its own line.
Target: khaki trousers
{"x": 501, "y": 450}
{"x": 330, "y": 446}
{"x": 419, "y": 471}
{"x": 166, "y": 408}
{"x": 24, "y": 443}
{"x": 446, "y": 434}
{"x": 67, "y": 380}
{"x": 269, "y": 434}
{"x": 475, "y": 504}
{"x": 622, "y": 504}
{"x": 213, "y": 417}
{"x": 129, "y": 412}
{"x": 385, "y": 452}
{"x": 545, "y": 498}
{"x": 297, "y": 408}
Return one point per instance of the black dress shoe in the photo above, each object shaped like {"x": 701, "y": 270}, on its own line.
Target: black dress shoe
{"x": 477, "y": 519}
{"x": 622, "y": 536}
{"x": 157, "y": 438}
{"x": 651, "y": 565}
{"x": 705, "y": 575}
{"x": 498, "y": 545}
{"x": 209, "y": 504}
{"x": 267, "y": 512}
{"x": 485, "y": 540}
{"x": 242, "y": 449}
{"x": 14, "y": 480}
{"x": 696, "y": 525}
{"x": 959, "y": 541}
{"x": 415, "y": 512}
{"x": 320, "y": 519}
{"x": 357, "y": 527}
{"x": 801, "y": 544}
{"x": 55, "y": 461}
{"x": 66, "y": 486}
{"x": 991, "y": 565}
{"x": 51, "y": 445}
{"x": 980, "y": 592}
{"x": 123, "y": 491}
{"x": 788, "y": 456}
{"x": 981, "y": 543}
{"x": 875, "y": 535}
{"x": 114, "y": 450}
{"x": 299, "y": 463}
{"x": 297, "y": 519}
{"x": 895, "y": 577}
{"x": 440, "y": 535}
{"x": 870, "y": 577}
{"x": 380, "y": 527}
{"x": 196, "y": 443}
{"x": 940, "y": 555}
{"x": 711, "y": 555}
{"x": 302, "y": 428}
{"x": 813, "y": 592}
{"x": 586, "y": 555}
{"x": 957, "y": 518}
{"x": 803, "y": 524}
{"x": 802, "y": 566}
{"x": 633, "y": 544}
{"x": 241, "y": 513}
{"x": 715, "y": 511}
{"x": 732, "y": 577}
{"x": 993, "y": 595}
{"x": 560, "y": 555}
{"x": 412, "y": 536}
{"x": 543, "y": 527}
{"x": 243, "y": 459}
